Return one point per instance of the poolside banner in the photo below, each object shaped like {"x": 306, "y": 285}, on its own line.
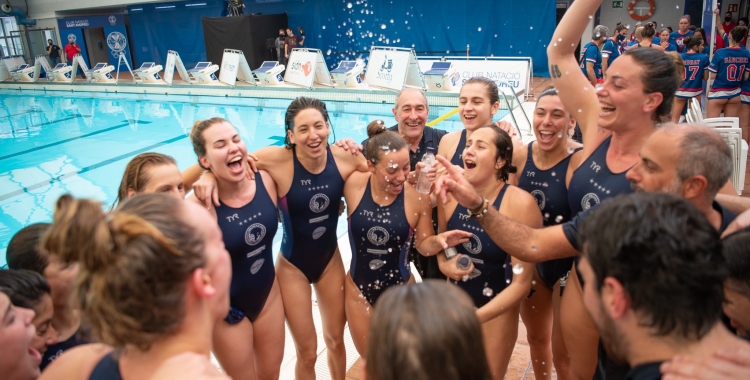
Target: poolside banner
{"x": 234, "y": 67}
{"x": 230, "y": 63}
{"x": 169, "y": 66}
{"x": 387, "y": 67}
{"x": 506, "y": 72}
{"x": 301, "y": 68}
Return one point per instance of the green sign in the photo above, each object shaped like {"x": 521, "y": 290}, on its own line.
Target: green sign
{"x": 617, "y": 4}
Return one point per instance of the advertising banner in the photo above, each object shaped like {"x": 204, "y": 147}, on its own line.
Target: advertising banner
{"x": 513, "y": 72}
{"x": 301, "y": 68}
{"x": 387, "y": 68}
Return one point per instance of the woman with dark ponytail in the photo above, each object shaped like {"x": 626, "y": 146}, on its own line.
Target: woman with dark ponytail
{"x": 497, "y": 290}
{"x": 153, "y": 281}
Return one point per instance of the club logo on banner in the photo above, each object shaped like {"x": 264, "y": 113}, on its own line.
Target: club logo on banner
{"x": 512, "y": 72}
{"x": 300, "y": 68}
{"x": 387, "y": 69}
{"x": 117, "y": 43}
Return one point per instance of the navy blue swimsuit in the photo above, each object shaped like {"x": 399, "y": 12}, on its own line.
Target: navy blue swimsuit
{"x": 380, "y": 237}
{"x": 107, "y": 369}
{"x": 57, "y": 349}
{"x": 551, "y": 195}
{"x": 248, "y": 234}
{"x": 593, "y": 182}
{"x": 310, "y": 214}
{"x": 492, "y": 267}
{"x": 457, "y": 158}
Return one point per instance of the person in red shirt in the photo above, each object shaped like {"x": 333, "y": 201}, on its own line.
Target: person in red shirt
{"x": 728, "y": 24}
{"x": 71, "y": 49}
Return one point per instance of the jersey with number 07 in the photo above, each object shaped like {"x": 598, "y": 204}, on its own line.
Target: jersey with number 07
{"x": 692, "y": 79}
{"x": 729, "y": 65}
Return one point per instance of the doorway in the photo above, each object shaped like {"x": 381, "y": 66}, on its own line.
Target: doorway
{"x": 38, "y": 41}
{"x": 96, "y": 45}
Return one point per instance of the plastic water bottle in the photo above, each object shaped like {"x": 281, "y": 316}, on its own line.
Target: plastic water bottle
{"x": 423, "y": 183}
{"x": 463, "y": 262}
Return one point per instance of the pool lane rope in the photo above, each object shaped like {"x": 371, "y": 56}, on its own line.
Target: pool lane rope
{"x": 441, "y": 118}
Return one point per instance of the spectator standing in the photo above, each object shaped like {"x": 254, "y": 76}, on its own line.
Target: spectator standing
{"x": 54, "y": 53}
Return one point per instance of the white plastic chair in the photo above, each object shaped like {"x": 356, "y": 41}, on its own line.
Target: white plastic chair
{"x": 729, "y": 129}
{"x": 695, "y": 106}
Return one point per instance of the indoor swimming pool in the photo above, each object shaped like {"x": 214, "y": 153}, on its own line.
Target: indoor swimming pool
{"x": 52, "y": 143}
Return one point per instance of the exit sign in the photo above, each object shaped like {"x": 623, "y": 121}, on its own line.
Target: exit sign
{"x": 617, "y": 4}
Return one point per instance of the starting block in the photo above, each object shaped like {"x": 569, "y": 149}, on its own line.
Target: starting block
{"x": 269, "y": 73}
{"x": 347, "y": 74}
{"x": 441, "y": 76}
{"x": 148, "y": 72}
{"x": 23, "y": 73}
{"x": 101, "y": 73}
{"x": 203, "y": 72}
{"x": 62, "y": 72}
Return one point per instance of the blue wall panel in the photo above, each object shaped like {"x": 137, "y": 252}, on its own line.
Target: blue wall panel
{"x": 499, "y": 28}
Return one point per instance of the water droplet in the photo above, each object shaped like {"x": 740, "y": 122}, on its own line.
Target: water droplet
{"x": 349, "y": 5}
{"x": 678, "y": 7}
{"x": 554, "y": 174}
{"x": 571, "y": 150}
{"x": 559, "y": 219}
{"x": 487, "y": 292}
{"x": 495, "y": 35}
{"x": 585, "y": 88}
{"x": 559, "y": 40}
{"x": 559, "y": 135}
{"x": 507, "y": 281}
{"x": 323, "y": 26}
{"x": 391, "y": 21}
{"x": 406, "y": 21}
{"x": 591, "y": 17}
{"x": 517, "y": 269}
{"x": 555, "y": 44}
{"x": 328, "y": 52}
{"x": 382, "y": 26}
{"x": 533, "y": 282}
{"x": 546, "y": 216}
{"x": 479, "y": 29}
{"x": 531, "y": 27}
{"x": 580, "y": 110}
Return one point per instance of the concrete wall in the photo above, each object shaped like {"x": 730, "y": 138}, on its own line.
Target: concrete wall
{"x": 668, "y": 13}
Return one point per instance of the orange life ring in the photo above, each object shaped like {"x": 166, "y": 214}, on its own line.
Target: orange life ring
{"x": 652, "y": 8}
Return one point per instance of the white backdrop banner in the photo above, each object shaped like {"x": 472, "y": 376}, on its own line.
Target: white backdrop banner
{"x": 515, "y": 73}
{"x": 387, "y": 68}
{"x": 300, "y": 69}
{"x": 230, "y": 63}
{"x": 169, "y": 68}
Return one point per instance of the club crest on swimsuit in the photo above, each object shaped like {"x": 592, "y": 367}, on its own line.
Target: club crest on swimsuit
{"x": 474, "y": 245}
{"x": 539, "y": 197}
{"x": 378, "y": 235}
{"x": 255, "y": 233}
{"x": 319, "y": 202}
{"x": 589, "y": 200}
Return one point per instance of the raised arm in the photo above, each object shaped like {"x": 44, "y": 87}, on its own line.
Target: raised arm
{"x": 574, "y": 88}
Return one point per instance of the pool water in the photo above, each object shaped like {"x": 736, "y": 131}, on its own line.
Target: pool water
{"x": 53, "y": 143}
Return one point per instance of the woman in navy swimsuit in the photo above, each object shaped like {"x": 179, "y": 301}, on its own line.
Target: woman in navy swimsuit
{"x": 614, "y": 128}
{"x": 386, "y": 216}
{"x": 250, "y": 344}
{"x": 497, "y": 290}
